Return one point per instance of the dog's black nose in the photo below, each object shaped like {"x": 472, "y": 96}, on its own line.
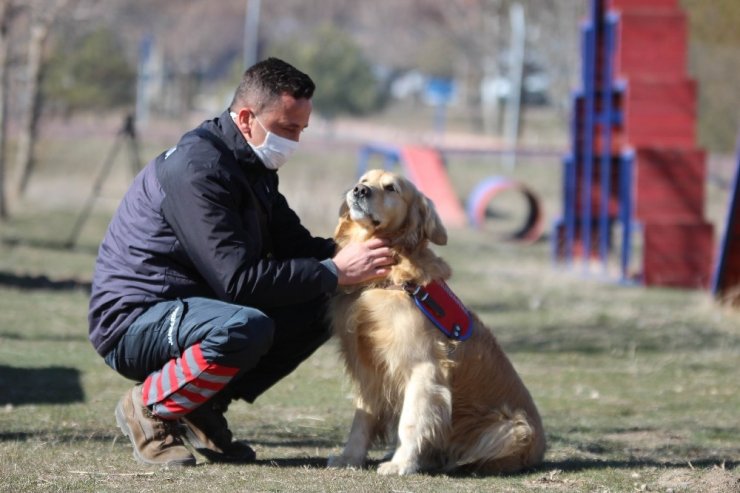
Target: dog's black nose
{"x": 361, "y": 191}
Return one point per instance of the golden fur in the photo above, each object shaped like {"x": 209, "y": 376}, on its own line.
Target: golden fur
{"x": 450, "y": 404}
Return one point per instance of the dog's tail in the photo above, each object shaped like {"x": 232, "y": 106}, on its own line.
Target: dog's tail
{"x": 506, "y": 444}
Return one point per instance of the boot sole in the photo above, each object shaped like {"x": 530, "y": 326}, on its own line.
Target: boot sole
{"x": 212, "y": 455}
{"x": 123, "y": 426}
{"x": 220, "y": 457}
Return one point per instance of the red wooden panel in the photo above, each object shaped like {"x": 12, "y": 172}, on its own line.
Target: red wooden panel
{"x": 678, "y": 240}
{"x": 667, "y": 211}
{"x": 669, "y": 184}
{"x": 678, "y": 255}
{"x": 662, "y": 95}
{"x": 623, "y": 5}
{"x": 660, "y": 113}
{"x": 685, "y": 138}
{"x": 658, "y": 132}
{"x": 651, "y": 45}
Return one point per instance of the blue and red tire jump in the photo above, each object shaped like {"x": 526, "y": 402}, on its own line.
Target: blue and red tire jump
{"x": 487, "y": 190}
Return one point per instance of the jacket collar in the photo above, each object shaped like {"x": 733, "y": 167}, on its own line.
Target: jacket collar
{"x": 234, "y": 139}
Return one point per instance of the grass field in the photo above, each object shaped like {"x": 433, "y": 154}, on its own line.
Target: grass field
{"x": 639, "y": 389}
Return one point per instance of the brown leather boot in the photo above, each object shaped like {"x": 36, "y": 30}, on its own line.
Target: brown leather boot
{"x": 156, "y": 441}
{"x": 208, "y": 432}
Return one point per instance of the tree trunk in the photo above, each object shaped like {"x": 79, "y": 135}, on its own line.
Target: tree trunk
{"x": 42, "y": 18}
{"x": 24, "y": 158}
{"x": 5, "y": 16}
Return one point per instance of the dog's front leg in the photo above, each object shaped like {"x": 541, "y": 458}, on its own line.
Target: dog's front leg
{"x": 360, "y": 436}
{"x": 424, "y": 421}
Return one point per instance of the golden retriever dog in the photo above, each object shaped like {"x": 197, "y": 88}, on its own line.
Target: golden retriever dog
{"x": 451, "y": 404}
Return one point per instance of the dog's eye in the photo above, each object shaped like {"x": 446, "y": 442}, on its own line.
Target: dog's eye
{"x": 389, "y": 187}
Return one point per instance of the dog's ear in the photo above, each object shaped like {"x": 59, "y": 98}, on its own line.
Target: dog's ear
{"x": 343, "y": 209}
{"x": 432, "y": 224}
{"x": 342, "y": 224}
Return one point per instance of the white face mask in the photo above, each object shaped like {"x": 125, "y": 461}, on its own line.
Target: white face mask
{"x": 275, "y": 150}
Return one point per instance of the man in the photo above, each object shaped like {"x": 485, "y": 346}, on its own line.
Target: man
{"x": 207, "y": 287}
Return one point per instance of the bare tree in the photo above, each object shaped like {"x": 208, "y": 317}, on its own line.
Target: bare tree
{"x": 43, "y": 13}
{"x": 6, "y": 13}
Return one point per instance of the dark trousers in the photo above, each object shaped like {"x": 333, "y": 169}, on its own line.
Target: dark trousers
{"x": 265, "y": 345}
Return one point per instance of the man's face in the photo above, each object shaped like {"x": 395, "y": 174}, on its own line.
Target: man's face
{"x": 288, "y": 117}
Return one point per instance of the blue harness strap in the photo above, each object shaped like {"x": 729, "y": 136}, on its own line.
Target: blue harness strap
{"x": 440, "y": 305}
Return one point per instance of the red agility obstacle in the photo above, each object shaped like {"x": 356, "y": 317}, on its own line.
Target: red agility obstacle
{"x": 487, "y": 190}
{"x": 424, "y": 167}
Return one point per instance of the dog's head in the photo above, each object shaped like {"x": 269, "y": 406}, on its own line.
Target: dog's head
{"x": 386, "y": 205}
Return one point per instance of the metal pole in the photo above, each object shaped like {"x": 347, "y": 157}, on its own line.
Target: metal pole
{"x": 251, "y": 32}
{"x": 516, "y": 68}
{"x": 144, "y": 79}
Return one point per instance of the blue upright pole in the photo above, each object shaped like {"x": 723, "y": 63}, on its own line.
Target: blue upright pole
{"x": 606, "y": 141}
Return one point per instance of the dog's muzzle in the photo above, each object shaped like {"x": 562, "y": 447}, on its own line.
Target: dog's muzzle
{"x": 358, "y": 197}
{"x": 358, "y": 202}
{"x": 361, "y": 191}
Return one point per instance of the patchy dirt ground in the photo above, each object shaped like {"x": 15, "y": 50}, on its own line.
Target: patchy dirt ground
{"x": 715, "y": 480}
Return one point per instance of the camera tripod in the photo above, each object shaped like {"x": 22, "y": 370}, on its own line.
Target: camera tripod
{"x": 126, "y": 135}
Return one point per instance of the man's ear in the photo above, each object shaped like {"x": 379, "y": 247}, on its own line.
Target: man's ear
{"x": 243, "y": 120}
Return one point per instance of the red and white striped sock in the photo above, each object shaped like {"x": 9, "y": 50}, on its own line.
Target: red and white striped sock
{"x": 184, "y": 383}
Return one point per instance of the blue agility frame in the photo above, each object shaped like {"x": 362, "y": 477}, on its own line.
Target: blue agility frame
{"x": 724, "y": 249}
{"x": 595, "y": 117}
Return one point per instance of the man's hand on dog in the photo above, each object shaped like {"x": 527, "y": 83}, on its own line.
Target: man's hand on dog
{"x": 359, "y": 262}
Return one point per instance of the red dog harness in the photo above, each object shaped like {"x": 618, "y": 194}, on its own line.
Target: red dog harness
{"x": 443, "y": 308}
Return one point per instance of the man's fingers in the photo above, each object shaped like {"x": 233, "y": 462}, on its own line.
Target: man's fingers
{"x": 383, "y": 261}
{"x": 362, "y": 261}
{"x": 383, "y": 256}
{"x": 374, "y": 243}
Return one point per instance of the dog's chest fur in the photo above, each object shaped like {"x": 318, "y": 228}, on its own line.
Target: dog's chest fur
{"x": 385, "y": 335}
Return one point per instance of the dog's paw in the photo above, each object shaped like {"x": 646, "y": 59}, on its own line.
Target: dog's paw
{"x": 395, "y": 469}
{"x": 342, "y": 461}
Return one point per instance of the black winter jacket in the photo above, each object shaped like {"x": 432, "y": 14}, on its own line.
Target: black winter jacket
{"x": 206, "y": 219}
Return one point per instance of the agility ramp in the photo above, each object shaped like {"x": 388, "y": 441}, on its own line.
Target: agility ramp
{"x": 424, "y": 166}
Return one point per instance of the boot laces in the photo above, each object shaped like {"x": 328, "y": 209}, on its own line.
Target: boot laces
{"x": 165, "y": 427}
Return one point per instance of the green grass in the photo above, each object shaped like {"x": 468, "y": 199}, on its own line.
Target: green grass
{"x": 639, "y": 389}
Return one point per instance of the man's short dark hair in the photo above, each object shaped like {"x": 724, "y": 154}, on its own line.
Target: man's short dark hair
{"x": 265, "y": 81}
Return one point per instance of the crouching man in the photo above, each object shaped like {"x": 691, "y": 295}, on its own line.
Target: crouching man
{"x": 207, "y": 288}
